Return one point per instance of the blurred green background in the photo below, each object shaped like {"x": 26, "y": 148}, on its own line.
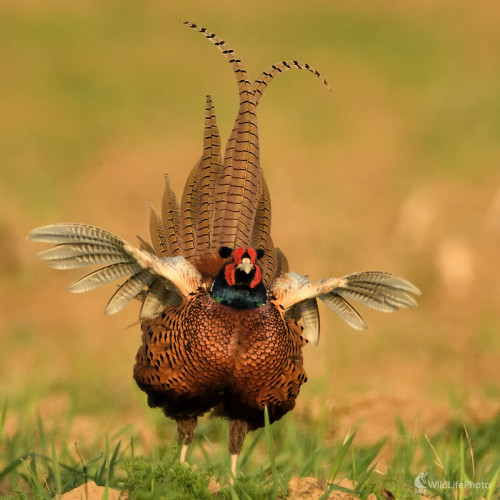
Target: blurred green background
{"x": 396, "y": 169}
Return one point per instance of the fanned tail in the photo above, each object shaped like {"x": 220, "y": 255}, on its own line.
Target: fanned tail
{"x": 241, "y": 213}
{"x": 239, "y": 187}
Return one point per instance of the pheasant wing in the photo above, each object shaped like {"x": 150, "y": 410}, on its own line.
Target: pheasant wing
{"x": 161, "y": 282}
{"x": 378, "y": 290}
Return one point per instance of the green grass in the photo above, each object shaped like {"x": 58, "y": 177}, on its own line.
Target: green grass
{"x": 37, "y": 463}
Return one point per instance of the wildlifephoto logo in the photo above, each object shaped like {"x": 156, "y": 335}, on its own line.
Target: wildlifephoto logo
{"x": 422, "y": 483}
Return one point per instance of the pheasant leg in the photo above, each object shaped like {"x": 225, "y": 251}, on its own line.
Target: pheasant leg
{"x": 237, "y": 431}
{"x": 185, "y": 430}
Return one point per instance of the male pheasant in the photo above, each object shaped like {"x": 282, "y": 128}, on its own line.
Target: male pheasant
{"x": 223, "y": 320}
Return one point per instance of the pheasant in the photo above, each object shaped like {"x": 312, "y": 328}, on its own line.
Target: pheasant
{"x": 223, "y": 319}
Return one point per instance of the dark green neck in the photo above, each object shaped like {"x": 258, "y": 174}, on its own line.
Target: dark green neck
{"x": 238, "y": 296}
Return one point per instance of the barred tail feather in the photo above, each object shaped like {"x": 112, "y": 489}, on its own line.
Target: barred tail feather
{"x": 170, "y": 216}
{"x": 239, "y": 186}
{"x": 157, "y": 233}
{"x": 210, "y": 169}
{"x": 261, "y": 236}
{"x": 266, "y": 76}
{"x": 190, "y": 206}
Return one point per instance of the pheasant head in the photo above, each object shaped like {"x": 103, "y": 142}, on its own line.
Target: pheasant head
{"x": 239, "y": 283}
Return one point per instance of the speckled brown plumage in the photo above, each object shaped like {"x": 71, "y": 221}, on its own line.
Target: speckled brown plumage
{"x": 223, "y": 319}
{"x": 204, "y": 354}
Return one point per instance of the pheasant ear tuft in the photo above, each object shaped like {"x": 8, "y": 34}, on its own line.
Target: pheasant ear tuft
{"x": 225, "y": 252}
{"x": 260, "y": 253}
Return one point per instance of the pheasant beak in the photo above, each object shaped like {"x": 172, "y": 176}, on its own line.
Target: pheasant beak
{"x": 246, "y": 265}
{"x": 244, "y": 260}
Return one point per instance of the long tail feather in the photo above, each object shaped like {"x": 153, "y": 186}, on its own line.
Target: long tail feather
{"x": 239, "y": 187}
{"x": 281, "y": 263}
{"x": 261, "y": 236}
{"x": 157, "y": 233}
{"x": 190, "y": 206}
{"x": 266, "y": 76}
{"x": 170, "y": 216}
{"x": 144, "y": 245}
{"x": 210, "y": 169}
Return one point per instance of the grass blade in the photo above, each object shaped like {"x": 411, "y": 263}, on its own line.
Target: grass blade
{"x": 307, "y": 468}
{"x": 57, "y": 470}
{"x": 461, "y": 458}
{"x": 37, "y": 488}
{"x": 340, "y": 455}
{"x": 269, "y": 440}
{"x": 250, "y": 449}
{"x": 112, "y": 462}
{"x": 493, "y": 484}
{"x": 3, "y": 418}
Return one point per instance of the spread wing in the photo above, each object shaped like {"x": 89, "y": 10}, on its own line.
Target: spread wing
{"x": 160, "y": 282}
{"x": 378, "y": 290}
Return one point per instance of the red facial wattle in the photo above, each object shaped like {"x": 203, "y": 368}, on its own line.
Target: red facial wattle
{"x": 229, "y": 275}
{"x": 257, "y": 277}
{"x": 252, "y": 254}
{"x": 237, "y": 255}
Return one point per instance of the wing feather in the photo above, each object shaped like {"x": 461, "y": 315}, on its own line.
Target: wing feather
{"x": 378, "y": 290}
{"x": 103, "y": 276}
{"x": 156, "y": 298}
{"x": 128, "y": 291}
{"x": 342, "y": 308}
{"x": 308, "y": 311}
{"x": 81, "y": 245}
